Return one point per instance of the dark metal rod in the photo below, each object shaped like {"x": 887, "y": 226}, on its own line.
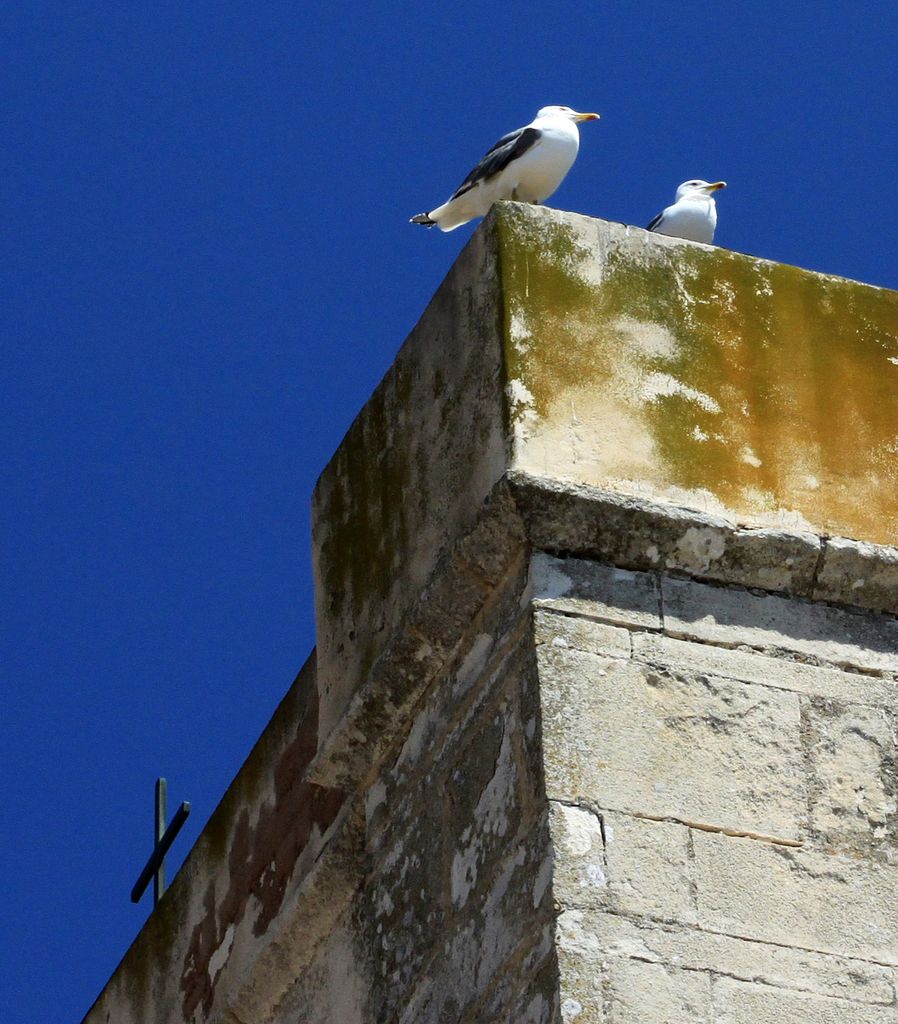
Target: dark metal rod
{"x": 161, "y": 850}
{"x": 158, "y": 833}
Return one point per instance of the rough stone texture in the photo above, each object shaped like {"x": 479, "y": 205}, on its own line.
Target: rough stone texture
{"x": 805, "y": 898}
{"x": 738, "y": 1003}
{"x": 692, "y": 949}
{"x": 708, "y": 751}
{"x": 723, "y": 817}
{"x": 707, "y": 379}
{"x": 601, "y": 726}
{"x": 605, "y": 592}
{"x": 656, "y": 992}
{"x": 649, "y": 873}
{"x": 854, "y": 572}
{"x": 853, "y": 755}
{"x": 409, "y": 477}
{"x": 642, "y": 534}
{"x": 728, "y": 617}
{"x": 753, "y": 667}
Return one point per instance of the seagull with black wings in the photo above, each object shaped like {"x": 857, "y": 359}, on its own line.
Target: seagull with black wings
{"x": 527, "y": 165}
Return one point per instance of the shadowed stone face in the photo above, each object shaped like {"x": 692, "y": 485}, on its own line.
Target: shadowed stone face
{"x": 700, "y": 376}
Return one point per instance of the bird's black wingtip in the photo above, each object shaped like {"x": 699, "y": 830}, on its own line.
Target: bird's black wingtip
{"x": 423, "y": 219}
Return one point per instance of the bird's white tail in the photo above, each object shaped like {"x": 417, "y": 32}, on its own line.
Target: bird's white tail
{"x": 424, "y": 219}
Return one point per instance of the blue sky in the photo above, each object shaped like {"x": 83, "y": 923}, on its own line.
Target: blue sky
{"x": 208, "y": 267}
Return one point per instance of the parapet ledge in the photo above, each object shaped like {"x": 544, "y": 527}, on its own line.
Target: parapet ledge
{"x": 634, "y": 533}
{"x": 633, "y": 374}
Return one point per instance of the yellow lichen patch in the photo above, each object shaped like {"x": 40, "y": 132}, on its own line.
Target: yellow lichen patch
{"x": 700, "y": 375}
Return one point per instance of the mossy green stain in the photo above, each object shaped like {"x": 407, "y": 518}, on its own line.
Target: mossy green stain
{"x": 797, "y": 362}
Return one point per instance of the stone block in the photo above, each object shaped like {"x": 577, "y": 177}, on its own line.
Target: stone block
{"x": 828, "y": 903}
{"x": 715, "y": 752}
{"x": 611, "y": 935}
{"x": 640, "y": 993}
{"x": 410, "y": 477}
{"x": 510, "y": 923}
{"x": 526, "y": 990}
{"x": 404, "y": 910}
{"x": 649, "y": 874}
{"x": 855, "y": 572}
{"x": 580, "y": 874}
{"x": 559, "y": 630}
{"x": 484, "y": 804}
{"x": 730, "y": 617}
{"x": 684, "y": 656}
{"x": 607, "y": 861}
{"x": 736, "y": 1002}
{"x": 853, "y": 757}
{"x": 637, "y": 533}
{"x": 597, "y": 591}
{"x": 581, "y": 987}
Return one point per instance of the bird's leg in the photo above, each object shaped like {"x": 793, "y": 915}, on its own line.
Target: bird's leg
{"x": 514, "y": 194}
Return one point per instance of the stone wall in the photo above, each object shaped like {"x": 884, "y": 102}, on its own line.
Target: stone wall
{"x": 601, "y": 725}
{"x": 721, "y": 768}
{"x": 453, "y": 917}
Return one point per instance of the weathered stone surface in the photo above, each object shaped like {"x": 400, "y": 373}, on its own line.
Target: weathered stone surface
{"x": 597, "y": 393}
{"x": 710, "y": 751}
{"x": 637, "y": 533}
{"x": 525, "y": 991}
{"x": 736, "y": 1002}
{"x": 599, "y": 591}
{"x": 582, "y": 993}
{"x": 649, "y": 874}
{"x": 730, "y": 617}
{"x": 581, "y": 970}
{"x": 580, "y": 876}
{"x": 855, "y": 572}
{"x": 460, "y": 867}
{"x": 853, "y": 755}
{"x": 560, "y": 630}
{"x": 818, "y": 901}
{"x": 611, "y": 935}
{"x": 608, "y": 861}
{"x": 750, "y": 667}
{"x": 410, "y": 476}
{"x": 654, "y": 992}
{"x": 466, "y": 599}
{"x": 712, "y": 380}
{"x": 510, "y": 924}
{"x": 336, "y": 985}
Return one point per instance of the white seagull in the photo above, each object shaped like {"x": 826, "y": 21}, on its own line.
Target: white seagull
{"x": 527, "y": 164}
{"x": 693, "y": 214}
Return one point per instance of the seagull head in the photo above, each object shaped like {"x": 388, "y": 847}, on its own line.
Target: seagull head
{"x": 566, "y": 112}
{"x": 696, "y": 188}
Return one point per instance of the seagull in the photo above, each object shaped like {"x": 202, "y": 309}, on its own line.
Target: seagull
{"x": 693, "y": 214}
{"x": 527, "y": 164}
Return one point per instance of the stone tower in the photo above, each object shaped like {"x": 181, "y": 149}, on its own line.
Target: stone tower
{"x": 602, "y": 722}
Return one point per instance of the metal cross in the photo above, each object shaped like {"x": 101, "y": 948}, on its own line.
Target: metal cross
{"x": 162, "y": 839}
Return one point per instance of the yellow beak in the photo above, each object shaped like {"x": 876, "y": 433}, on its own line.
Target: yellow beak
{"x": 716, "y": 185}
{"x": 587, "y": 117}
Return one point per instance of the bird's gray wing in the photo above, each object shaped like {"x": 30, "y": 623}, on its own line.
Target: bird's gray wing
{"x": 655, "y": 222}
{"x": 499, "y": 156}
